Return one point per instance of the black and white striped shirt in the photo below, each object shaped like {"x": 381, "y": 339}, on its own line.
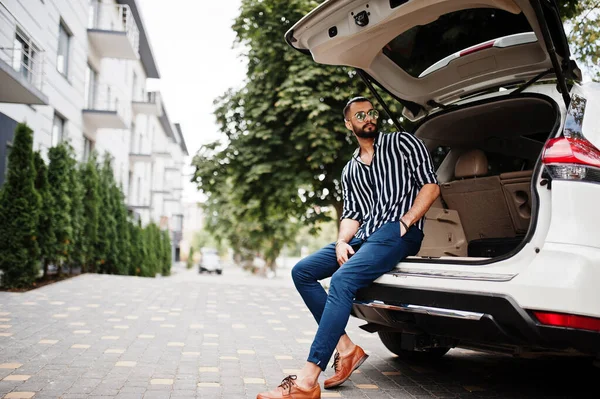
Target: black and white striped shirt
{"x": 385, "y": 190}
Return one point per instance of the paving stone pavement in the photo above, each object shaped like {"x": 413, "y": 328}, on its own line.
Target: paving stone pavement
{"x": 228, "y": 336}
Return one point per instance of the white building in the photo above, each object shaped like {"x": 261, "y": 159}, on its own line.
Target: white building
{"x": 76, "y": 70}
{"x": 194, "y": 223}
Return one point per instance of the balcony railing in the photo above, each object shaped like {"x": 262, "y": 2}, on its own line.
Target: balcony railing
{"x": 113, "y": 31}
{"x": 152, "y": 97}
{"x": 106, "y": 108}
{"x": 148, "y": 103}
{"x": 22, "y": 69}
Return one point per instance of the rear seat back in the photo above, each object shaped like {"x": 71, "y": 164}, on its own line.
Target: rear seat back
{"x": 479, "y": 201}
{"x": 443, "y": 234}
{"x": 517, "y": 192}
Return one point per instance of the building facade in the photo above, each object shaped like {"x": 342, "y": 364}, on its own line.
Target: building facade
{"x": 76, "y": 70}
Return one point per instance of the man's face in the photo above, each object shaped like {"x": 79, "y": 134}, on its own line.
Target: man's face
{"x": 367, "y": 129}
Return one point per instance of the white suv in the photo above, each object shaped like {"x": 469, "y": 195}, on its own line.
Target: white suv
{"x": 511, "y": 256}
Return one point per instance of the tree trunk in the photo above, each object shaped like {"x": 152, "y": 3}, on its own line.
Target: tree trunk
{"x": 45, "y": 269}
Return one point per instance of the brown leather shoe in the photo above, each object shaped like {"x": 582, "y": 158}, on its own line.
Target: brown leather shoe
{"x": 344, "y": 366}
{"x": 289, "y": 389}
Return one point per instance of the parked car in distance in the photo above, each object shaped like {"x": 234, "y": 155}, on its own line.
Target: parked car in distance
{"x": 210, "y": 261}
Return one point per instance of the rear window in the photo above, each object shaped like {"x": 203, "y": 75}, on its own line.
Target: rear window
{"x": 422, "y": 46}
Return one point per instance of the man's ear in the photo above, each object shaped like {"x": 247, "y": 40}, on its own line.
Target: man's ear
{"x": 348, "y": 124}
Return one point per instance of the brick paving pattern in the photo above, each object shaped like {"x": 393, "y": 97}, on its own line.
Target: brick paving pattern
{"x": 228, "y": 336}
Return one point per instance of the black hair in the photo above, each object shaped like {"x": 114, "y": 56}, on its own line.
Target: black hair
{"x": 354, "y": 100}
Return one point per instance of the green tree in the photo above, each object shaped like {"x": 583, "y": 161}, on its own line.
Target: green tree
{"x": 190, "y": 259}
{"x": 139, "y": 249}
{"x": 46, "y": 238}
{"x": 59, "y": 178}
{"x": 107, "y": 224}
{"x": 166, "y": 253}
{"x": 582, "y": 20}
{"x": 76, "y": 251}
{"x": 123, "y": 238}
{"x": 19, "y": 211}
{"x": 153, "y": 248}
{"x": 88, "y": 239}
{"x": 147, "y": 269}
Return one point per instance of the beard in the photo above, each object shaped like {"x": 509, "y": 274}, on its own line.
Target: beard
{"x": 370, "y": 134}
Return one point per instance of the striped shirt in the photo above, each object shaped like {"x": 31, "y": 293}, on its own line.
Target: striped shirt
{"x": 385, "y": 190}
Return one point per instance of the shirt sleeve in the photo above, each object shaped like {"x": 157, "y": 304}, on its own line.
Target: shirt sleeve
{"x": 421, "y": 163}
{"x": 351, "y": 209}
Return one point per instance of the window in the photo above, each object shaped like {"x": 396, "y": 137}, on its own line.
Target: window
{"x": 93, "y": 15}
{"x": 132, "y": 140}
{"x": 134, "y": 88}
{"x": 139, "y": 191}
{"x": 62, "y": 57}
{"x": 25, "y": 55}
{"x": 58, "y": 130}
{"x": 501, "y": 163}
{"x": 438, "y": 155}
{"x": 91, "y": 76}
{"x": 423, "y": 45}
{"x": 88, "y": 147}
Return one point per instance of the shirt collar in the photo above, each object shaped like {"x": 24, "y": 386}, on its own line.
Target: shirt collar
{"x": 356, "y": 153}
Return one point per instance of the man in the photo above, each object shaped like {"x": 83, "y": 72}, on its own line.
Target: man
{"x": 388, "y": 186}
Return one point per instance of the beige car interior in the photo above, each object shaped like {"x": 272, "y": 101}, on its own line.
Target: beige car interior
{"x": 478, "y": 198}
{"x": 474, "y": 204}
{"x": 478, "y": 206}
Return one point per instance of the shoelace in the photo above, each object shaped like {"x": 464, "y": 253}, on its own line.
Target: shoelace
{"x": 336, "y": 361}
{"x": 288, "y": 383}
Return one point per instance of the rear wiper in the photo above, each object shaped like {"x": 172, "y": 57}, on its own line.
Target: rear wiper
{"x": 530, "y": 82}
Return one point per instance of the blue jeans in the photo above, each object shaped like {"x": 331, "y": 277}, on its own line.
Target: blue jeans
{"x": 374, "y": 257}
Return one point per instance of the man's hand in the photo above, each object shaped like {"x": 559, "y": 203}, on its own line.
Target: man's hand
{"x": 425, "y": 197}
{"x": 343, "y": 251}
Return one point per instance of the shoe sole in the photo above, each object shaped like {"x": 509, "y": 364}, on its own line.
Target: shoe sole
{"x": 337, "y": 384}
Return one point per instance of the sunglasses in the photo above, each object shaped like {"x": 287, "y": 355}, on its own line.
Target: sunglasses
{"x": 362, "y": 115}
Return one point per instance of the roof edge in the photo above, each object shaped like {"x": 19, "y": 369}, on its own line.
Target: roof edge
{"x": 146, "y": 55}
{"x": 182, "y": 142}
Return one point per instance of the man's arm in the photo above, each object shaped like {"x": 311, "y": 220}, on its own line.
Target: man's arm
{"x": 348, "y": 228}
{"x": 427, "y": 195}
{"x": 424, "y": 178}
{"x": 349, "y": 220}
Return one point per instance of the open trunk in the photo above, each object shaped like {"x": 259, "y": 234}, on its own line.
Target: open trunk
{"x": 488, "y": 155}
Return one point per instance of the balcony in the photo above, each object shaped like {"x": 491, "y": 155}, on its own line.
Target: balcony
{"x": 105, "y": 108}
{"x": 161, "y": 154}
{"x": 21, "y": 64}
{"x": 148, "y": 104}
{"x": 139, "y": 158}
{"x": 113, "y": 32}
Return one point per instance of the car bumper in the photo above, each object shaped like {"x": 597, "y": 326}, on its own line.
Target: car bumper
{"x": 471, "y": 319}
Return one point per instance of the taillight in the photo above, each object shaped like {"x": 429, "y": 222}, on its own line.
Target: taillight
{"x": 572, "y": 158}
{"x": 568, "y": 321}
